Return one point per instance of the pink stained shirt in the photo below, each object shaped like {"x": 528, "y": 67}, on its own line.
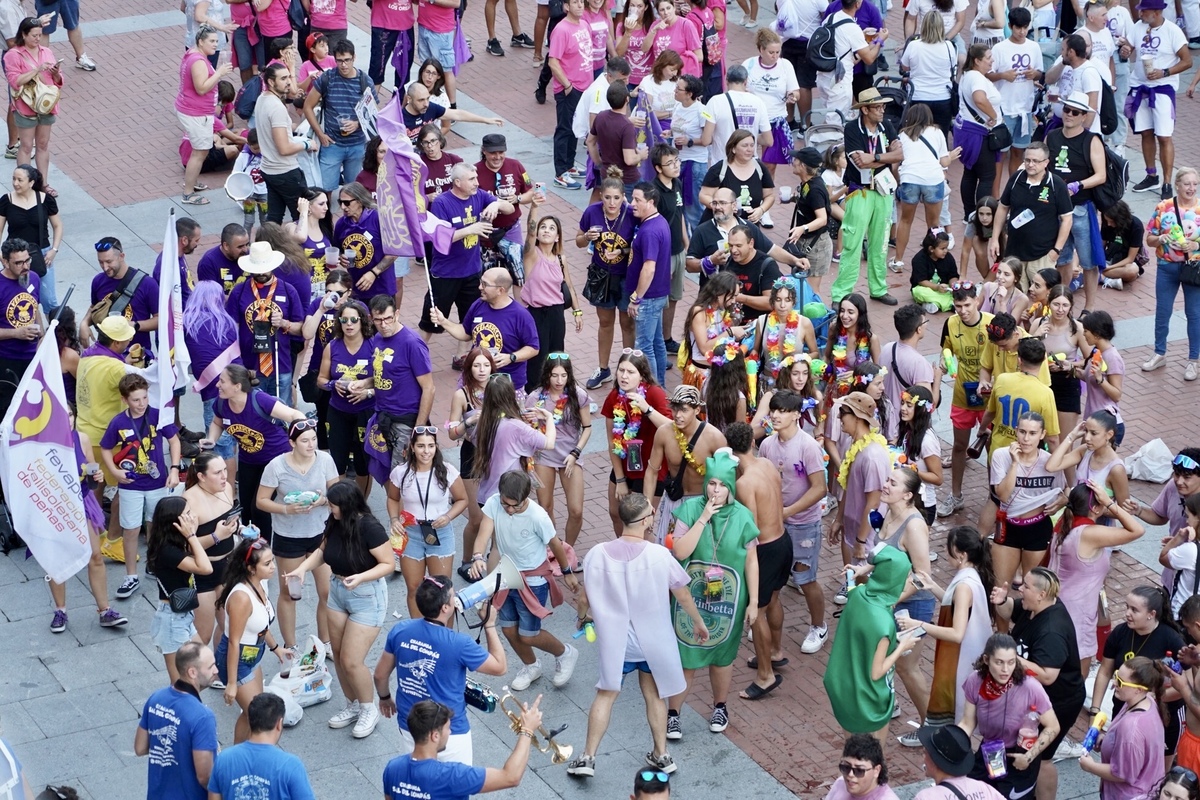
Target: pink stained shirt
{"x": 543, "y": 284}
{"x": 327, "y": 15}
{"x": 19, "y": 60}
{"x": 189, "y": 101}
{"x": 681, "y": 37}
{"x": 273, "y": 20}
{"x": 393, "y": 15}
{"x": 571, "y": 44}
{"x": 438, "y": 19}
{"x": 598, "y": 23}
{"x": 639, "y": 62}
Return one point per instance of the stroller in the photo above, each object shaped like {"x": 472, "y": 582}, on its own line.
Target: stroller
{"x": 824, "y": 135}
{"x": 898, "y": 92}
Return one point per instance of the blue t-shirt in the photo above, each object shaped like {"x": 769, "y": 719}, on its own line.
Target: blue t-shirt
{"x": 651, "y": 242}
{"x": 253, "y": 770}
{"x": 430, "y": 779}
{"x": 178, "y": 723}
{"x": 432, "y": 662}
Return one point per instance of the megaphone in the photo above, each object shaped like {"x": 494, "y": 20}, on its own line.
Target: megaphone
{"x": 504, "y": 576}
{"x": 239, "y": 186}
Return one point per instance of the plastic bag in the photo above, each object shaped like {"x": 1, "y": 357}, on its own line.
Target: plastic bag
{"x": 293, "y": 711}
{"x": 1152, "y": 462}
{"x": 308, "y": 681}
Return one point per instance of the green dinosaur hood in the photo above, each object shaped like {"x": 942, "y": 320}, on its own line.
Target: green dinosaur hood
{"x": 886, "y": 581}
{"x": 722, "y": 465}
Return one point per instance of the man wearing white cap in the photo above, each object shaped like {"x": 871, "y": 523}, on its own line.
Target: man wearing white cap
{"x": 268, "y": 312}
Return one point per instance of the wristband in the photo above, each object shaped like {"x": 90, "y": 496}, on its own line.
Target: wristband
{"x": 578, "y": 312}
{"x": 477, "y": 556}
{"x": 385, "y": 697}
{"x": 706, "y": 264}
{"x": 620, "y": 480}
{"x": 576, "y": 452}
{"x": 860, "y": 541}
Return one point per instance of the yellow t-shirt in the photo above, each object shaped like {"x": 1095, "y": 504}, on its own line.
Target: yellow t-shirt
{"x": 96, "y": 394}
{"x": 1001, "y": 362}
{"x": 1013, "y": 394}
{"x": 967, "y": 343}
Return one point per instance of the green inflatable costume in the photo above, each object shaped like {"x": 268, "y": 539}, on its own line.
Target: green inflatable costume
{"x": 720, "y": 555}
{"x": 862, "y": 705}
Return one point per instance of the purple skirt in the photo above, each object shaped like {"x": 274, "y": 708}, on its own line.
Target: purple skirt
{"x": 780, "y": 150}
{"x": 972, "y": 138}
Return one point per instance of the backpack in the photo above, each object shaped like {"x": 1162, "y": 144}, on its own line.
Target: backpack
{"x": 1116, "y": 168}
{"x": 822, "y": 45}
{"x": 247, "y": 97}
{"x": 710, "y": 41}
{"x": 1108, "y": 109}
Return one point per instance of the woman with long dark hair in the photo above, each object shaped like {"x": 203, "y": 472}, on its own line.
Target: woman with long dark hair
{"x": 359, "y": 554}
{"x": 210, "y": 499}
{"x": 606, "y": 230}
{"x": 478, "y": 366}
{"x": 318, "y": 331}
{"x": 211, "y": 337}
{"x": 558, "y": 391}
{"x": 922, "y": 180}
{"x": 313, "y": 231}
{"x": 726, "y": 390}
{"x": 851, "y": 341}
{"x": 176, "y": 554}
{"x": 1131, "y": 762}
{"x": 1123, "y": 235}
{"x": 373, "y": 156}
{"x": 633, "y": 411}
{"x": 542, "y": 294}
{"x": 69, "y": 348}
{"x": 982, "y": 112}
{"x": 1089, "y": 453}
{"x": 29, "y": 212}
{"x": 920, "y": 446}
{"x": 430, "y": 547}
{"x": 248, "y": 618}
{"x": 504, "y": 439}
{"x": 347, "y": 359}
{"x": 709, "y": 327}
{"x": 1065, "y": 346}
{"x": 632, "y": 30}
{"x": 372, "y": 271}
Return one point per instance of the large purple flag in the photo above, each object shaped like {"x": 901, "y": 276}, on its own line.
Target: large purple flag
{"x": 404, "y": 219}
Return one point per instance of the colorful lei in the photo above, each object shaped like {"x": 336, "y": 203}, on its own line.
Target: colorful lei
{"x": 841, "y": 363}
{"x": 560, "y": 405}
{"x": 687, "y": 454}
{"x": 872, "y": 437}
{"x": 718, "y": 321}
{"x": 780, "y": 340}
{"x": 626, "y": 421}
{"x": 725, "y": 351}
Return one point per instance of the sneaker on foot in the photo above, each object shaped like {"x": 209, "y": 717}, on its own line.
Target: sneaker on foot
{"x": 539, "y": 94}
{"x": 951, "y": 243}
{"x": 841, "y": 596}
{"x": 831, "y": 504}
{"x": 217, "y": 684}
{"x": 565, "y": 181}
{"x": 1154, "y": 362}
{"x": 521, "y": 40}
{"x": 601, "y": 376}
{"x": 837, "y": 257}
{"x": 526, "y": 675}
{"x": 128, "y": 587}
{"x": 112, "y": 619}
{"x": 1167, "y": 191}
{"x": 1068, "y": 749}
{"x": 494, "y": 48}
{"x": 113, "y": 549}
{"x": 59, "y": 623}
{"x": 1114, "y": 283}
{"x": 672, "y": 347}
{"x": 1146, "y": 184}
{"x": 582, "y": 766}
{"x": 896, "y": 265}
{"x": 663, "y": 762}
{"x": 933, "y": 556}
{"x": 949, "y": 504}
{"x": 1191, "y": 373}
{"x": 815, "y": 639}
{"x": 347, "y": 716}
{"x": 85, "y": 63}
{"x": 765, "y": 221}
{"x": 719, "y": 720}
{"x": 910, "y": 739}
{"x": 11, "y": 151}
{"x": 674, "y": 728}
{"x": 564, "y": 666}
{"x": 368, "y": 718}
{"x": 896, "y": 712}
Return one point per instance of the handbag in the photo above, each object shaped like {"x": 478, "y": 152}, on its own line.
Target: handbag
{"x": 598, "y": 286}
{"x": 955, "y": 99}
{"x": 1189, "y": 271}
{"x": 182, "y": 600}
{"x": 999, "y": 137}
{"x": 673, "y": 484}
{"x": 41, "y": 97}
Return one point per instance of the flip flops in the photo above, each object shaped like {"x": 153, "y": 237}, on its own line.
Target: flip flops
{"x": 194, "y": 199}
{"x": 752, "y": 663}
{"x": 756, "y": 692}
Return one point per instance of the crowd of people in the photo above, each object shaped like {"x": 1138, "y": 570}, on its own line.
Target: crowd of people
{"x": 791, "y": 426}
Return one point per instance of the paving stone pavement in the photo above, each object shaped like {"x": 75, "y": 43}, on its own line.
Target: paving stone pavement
{"x": 69, "y": 703}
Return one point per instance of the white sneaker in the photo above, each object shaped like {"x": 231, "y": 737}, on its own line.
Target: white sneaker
{"x": 951, "y": 244}
{"x": 1068, "y": 749}
{"x": 526, "y": 675}
{"x": 1114, "y": 283}
{"x": 933, "y": 556}
{"x": 831, "y": 504}
{"x": 949, "y": 504}
{"x": 368, "y": 718}
{"x": 347, "y": 716}
{"x": 910, "y": 739}
{"x": 931, "y": 308}
{"x": 766, "y": 221}
{"x": 564, "y": 666}
{"x": 896, "y": 265}
{"x": 1155, "y": 361}
{"x": 1191, "y": 373}
{"x": 815, "y": 639}
{"x": 85, "y": 63}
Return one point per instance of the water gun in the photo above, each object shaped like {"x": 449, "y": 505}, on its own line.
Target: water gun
{"x": 1093, "y": 733}
{"x": 950, "y": 362}
{"x": 1098, "y": 360}
{"x": 752, "y": 381}
{"x": 817, "y": 367}
{"x": 1039, "y": 310}
{"x": 588, "y": 630}
{"x": 1058, "y": 357}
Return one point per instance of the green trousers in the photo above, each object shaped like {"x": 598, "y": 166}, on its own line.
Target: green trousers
{"x": 868, "y": 216}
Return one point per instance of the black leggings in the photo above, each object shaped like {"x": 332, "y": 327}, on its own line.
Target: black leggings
{"x": 248, "y": 478}
{"x": 347, "y": 430}
{"x": 976, "y": 182}
{"x": 551, "y": 325}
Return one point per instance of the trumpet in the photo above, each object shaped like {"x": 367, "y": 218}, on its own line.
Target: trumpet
{"x": 559, "y": 753}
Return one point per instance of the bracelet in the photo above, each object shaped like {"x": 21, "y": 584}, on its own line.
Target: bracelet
{"x": 524, "y": 732}
{"x": 578, "y": 312}
{"x": 575, "y": 451}
{"x": 1094, "y": 710}
{"x": 273, "y": 649}
{"x": 620, "y": 480}
{"x": 860, "y": 541}
{"x": 385, "y": 697}
{"x": 477, "y": 557}
{"x": 1110, "y": 505}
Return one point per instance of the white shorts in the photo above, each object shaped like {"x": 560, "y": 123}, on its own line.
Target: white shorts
{"x": 198, "y": 130}
{"x": 1160, "y": 119}
{"x": 458, "y": 747}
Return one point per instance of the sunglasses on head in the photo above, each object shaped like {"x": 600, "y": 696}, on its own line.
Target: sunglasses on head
{"x": 654, "y": 775}
{"x": 1182, "y": 772}
{"x": 104, "y": 245}
{"x": 256, "y": 544}
{"x": 498, "y": 375}
{"x": 961, "y": 285}
{"x": 559, "y": 356}
{"x": 629, "y": 351}
{"x": 848, "y": 769}
{"x": 425, "y": 429}
{"x": 997, "y": 331}
{"x": 304, "y": 425}
{"x": 1185, "y": 462}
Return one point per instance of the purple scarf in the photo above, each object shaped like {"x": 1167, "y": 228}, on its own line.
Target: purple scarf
{"x": 1139, "y": 94}
{"x": 972, "y": 138}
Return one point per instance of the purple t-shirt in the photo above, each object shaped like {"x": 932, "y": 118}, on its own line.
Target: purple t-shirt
{"x": 185, "y": 286}
{"x": 868, "y": 474}
{"x": 904, "y": 361}
{"x": 244, "y": 306}
{"x": 611, "y": 251}
{"x": 1002, "y": 718}
{"x": 502, "y": 330}
{"x": 796, "y": 459}
{"x": 20, "y": 304}
{"x": 363, "y": 243}
{"x": 203, "y": 350}
{"x": 652, "y": 242}
{"x": 258, "y": 435}
{"x": 142, "y": 306}
{"x": 344, "y": 365}
{"x": 141, "y": 446}
{"x": 324, "y": 333}
{"x": 1133, "y": 749}
{"x": 1094, "y": 397}
{"x": 299, "y": 280}
{"x": 214, "y": 266}
{"x": 463, "y": 260}
{"x": 396, "y": 362}
{"x": 514, "y": 439}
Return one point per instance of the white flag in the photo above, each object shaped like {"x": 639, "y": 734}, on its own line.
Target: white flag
{"x": 171, "y": 356}
{"x": 39, "y": 468}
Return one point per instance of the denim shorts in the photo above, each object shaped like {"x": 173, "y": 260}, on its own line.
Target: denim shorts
{"x": 806, "y": 549}
{"x": 138, "y": 507}
{"x": 418, "y": 550}
{"x": 366, "y": 605}
{"x": 515, "y": 612}
{"x": 921, "y": 606}
{"x": 1021, "y": 128}
{"x": 1080, "y": 240}
{"x": 250, "y": 656}
{"x": 170, "y": 631}
{"x": 436, "y": 45}
{"x": 913, "y": 193}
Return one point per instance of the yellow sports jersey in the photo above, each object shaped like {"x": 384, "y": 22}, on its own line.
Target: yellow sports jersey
{"x": 1013, "y": 394}
{"x": 1001, "y": 362}
{"x": 96, "y": 394}
{"x": 967, "y": 343}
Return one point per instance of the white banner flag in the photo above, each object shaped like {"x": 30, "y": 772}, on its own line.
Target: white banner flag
{"x": 39, "y": 469}
{"x": 173, "y": 364}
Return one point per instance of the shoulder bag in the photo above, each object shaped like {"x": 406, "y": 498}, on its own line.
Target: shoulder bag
{"x": 182, "y": 600}
{"x": 117, "y": 300}
{"x": 1189, "y": 271}
{"x": 673, "y": 484}
{"x": 998, "y": 137}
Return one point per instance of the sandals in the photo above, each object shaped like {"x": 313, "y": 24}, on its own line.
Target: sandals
{"x": 202, "y": 187}
{"x": 756, "y": 692}
{"x": 752, "y": 663}
{"x": 50, "y": 191}
{"x": 194, "y": 199}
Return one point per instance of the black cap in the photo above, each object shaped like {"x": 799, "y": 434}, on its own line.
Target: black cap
{"x": 494, "y": 143}
{"x": 808, "y": 156}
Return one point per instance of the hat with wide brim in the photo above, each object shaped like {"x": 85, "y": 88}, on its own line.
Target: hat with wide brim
{"x": 860, "y": 404}
{"x": 117, "y": 328}
{"x": 1077, "y": 101}
{"x": 262, "y": 259}
{"x": 949, "y": 748}
{"x": 870, "y": 97}
{"x": 1152, "y": 5}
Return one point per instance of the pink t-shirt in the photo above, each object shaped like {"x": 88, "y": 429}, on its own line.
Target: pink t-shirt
{"x": 438, "y": 19}
{"x": 543, "y": 284}
{"x": 713, "y": 5}
{"x": 598, "y": 22}
{"x": 273, "y": 20}
{"x": 309, "y": 69}
{"x": 868, "y": 473}
{"x": 514, "y": 439}
{"x": 327, "y": 15}
{"x": 796, "y": 459}
{"x": 968, "y": 787}
{"x": 639, "y": 62}
{"x": 571, "y": 44}
{"x": 1002, "y": 718}
{"x": 393, "y": 15}
{"x": 681, "y": 37}
{"x": 188, "y": 101}
{"x": 1133, "y": 749}
{"x": 18, "y": 60}
{"x": 839, "y": 792}
{"x": 1094, "y": 398}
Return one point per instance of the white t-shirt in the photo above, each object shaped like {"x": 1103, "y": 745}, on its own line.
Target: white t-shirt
{"x": 973, "y": 81}
{"x": 772, "y": 85}
{"x": 1183, "y": 561}
{"x": 930, "y": 65}
{"x": 983, "y": 13}
{"x": 593, "y": 100}
{"x": 660, "y": 95}
{"x": 850, "y": 39}
{"x": 522, "y": 537}
{"x": 691, "y": 120}
{"x": 1017, "y": 96}
{"x": 1161, "y": 44}
{"x": 417, "y": 485}
{"x": 832, "y": 180}
{"x": 1104, "y": 51}
{"x": 802, "y": 17}
{"x": 919, "y": 8}
{"x": 1084, "y": 78}
{"x": 751, "y": 115}
{"x": 1120, "y": 23}
{"x": 920, "y": 166}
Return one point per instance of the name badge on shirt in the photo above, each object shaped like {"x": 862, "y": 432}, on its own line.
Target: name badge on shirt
{"x": 478, "y": 320}
{"x": 281, "y": 298}
{"x": 1023, "y": 218}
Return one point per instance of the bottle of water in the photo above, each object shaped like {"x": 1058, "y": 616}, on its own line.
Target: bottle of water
{"x": 1028, "y": 733}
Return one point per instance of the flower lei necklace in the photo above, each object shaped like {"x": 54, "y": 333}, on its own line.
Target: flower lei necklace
{"x": 687, "y": 454}
{"x": 718, "y": 320}
{"x": 626, "y": 420}
{"x": 871, "y": 438}
{"x": 781, "y": 338}
{"x": 560, "y": 405}
{"x": 862, "y": 352}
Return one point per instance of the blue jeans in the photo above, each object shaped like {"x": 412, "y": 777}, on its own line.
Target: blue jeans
{"x": 277, "y": 385}
{"x": 47, "y": 290}
{"x": 691, "y": 203}
{"x": 225, "y": 444}
{"x": 337, "y": 160}
{"x": 648, "y": 335}
{"x": 1166, "y": 287}
{"x": 383, "y": 43}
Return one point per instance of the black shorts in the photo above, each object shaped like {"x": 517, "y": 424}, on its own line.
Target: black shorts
{"x": 1029, "y": 538}
{"x": 774, "y": 568}
{"x": 796, "y": 51}
{"x": 215, "y": 161}
{"x": 292, "y": 547}
{"x": 466, "y": 459}
{"x": 450, "y": 293}
{"x": 1066, "y": 393}
{"x": 928, "y": 513}
{"x": 212, "y": 582}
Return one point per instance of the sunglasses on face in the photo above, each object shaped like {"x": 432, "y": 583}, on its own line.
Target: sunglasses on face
{"x": 425, "y": 429}
{"x": 1120, "y": 683}
{"x": 1073, "y": 112}
{"x": 349, "y": 320}
{"x": 344, "y": 203}
{"x": 848, "y": 769}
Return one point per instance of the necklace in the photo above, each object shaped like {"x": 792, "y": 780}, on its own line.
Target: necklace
{"x": 221, "y": 497}
{"x": 718, "y": 321}
{"x": 560, "y": 405}
{"x": 626, "y": 421}
{"x": 871, "y": 438}
{"x": 687, "y": 454}
{"x": 841, "y": 354}
{"x": 1133, "y": 651}
{"x": 781, "y": 339}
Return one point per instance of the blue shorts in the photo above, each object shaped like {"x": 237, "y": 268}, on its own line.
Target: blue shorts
{"x": 436, "y": 45}
{"x": 1080, "y": 240}
{"x": 913, "y": 193}
{"x": 921, "y": 606}
{"x": 402, "y": 266}
{"x": 514, "y": 612}
{"x": 418, "y": 550}
{"x": 640, "y": 666}
{"x": 1021, "y": 128}
{"x": 365, "y": 605}
{"x": 170, "y": 631}
{"x": 250, "y": 656}
{"x": 68, "y": 14}
{"x": 806, "y": 549}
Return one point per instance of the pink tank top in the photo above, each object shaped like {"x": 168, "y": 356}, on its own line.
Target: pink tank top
{"x": 189, "y": 101}
{"x": 1081, "y": 583}
{"x": 543, "y": 284}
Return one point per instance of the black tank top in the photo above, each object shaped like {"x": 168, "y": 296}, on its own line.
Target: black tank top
{"x": 1070, "y": 161}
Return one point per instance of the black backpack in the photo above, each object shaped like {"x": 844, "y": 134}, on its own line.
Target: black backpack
{"x": 822, "y": 45}
{"x": 1116, "y": 169}
{"x": 1108, "y": 109}
{"x": 247, "y": 97}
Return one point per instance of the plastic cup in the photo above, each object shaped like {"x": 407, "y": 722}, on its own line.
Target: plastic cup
{"x": 295, "y": 587}
{"x": 1147, "y": 64}
{"x": 902, "y": 614}
{"x": 785, "y": 194}
{"x": 332, "y": 255}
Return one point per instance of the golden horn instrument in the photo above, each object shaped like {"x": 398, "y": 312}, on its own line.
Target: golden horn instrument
{"x": 559, "y": 753}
